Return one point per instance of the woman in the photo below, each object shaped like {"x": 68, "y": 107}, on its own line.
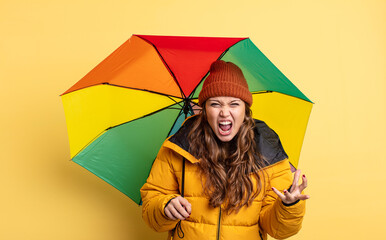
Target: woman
{"x": 224, "y": 175}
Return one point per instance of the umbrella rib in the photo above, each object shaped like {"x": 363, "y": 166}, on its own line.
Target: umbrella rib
{"x": 144, "y": 90}
{"x": 194, "y": 103}
{"x": 149, "y": 114}
{"x": 101, "y": 133}
{"x": 166, "y": 65}
{"x": 270, "y": 91}
{"x": 260, "y": 92}
{"x": 181, "y": 112}
{"x": 132, "y": 88}
{"x": 226, "y": 50}
{"x": 191, "y": 109}
{"x": 175, "y": 101}
{"x": 85, "y": 146}
{"x": 194, "y": 90}
{"x": 175, "y": 121}
{"x": 221, "y": 55}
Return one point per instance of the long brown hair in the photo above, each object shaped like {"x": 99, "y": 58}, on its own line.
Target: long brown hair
{"x": 227, "y": 168}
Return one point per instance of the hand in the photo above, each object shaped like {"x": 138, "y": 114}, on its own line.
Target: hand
{"x": 295, "y": 192}
{"x": 178, "y": 208}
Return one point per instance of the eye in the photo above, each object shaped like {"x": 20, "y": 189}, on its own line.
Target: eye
{"x": 235, "y": 104}
{"x": 214, "y": 104}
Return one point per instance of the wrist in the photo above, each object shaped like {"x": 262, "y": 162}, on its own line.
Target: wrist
{"x": 290, "y": 204}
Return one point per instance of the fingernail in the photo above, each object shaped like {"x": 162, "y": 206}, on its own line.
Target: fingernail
{"x": 304, "y": 175}
{"x": 285, "y": 191}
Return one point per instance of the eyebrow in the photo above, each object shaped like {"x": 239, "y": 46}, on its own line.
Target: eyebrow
{"x": 218, "y": 101}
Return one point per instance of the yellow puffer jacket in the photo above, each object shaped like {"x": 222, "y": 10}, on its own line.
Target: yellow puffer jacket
{"x": 266, "y": 215}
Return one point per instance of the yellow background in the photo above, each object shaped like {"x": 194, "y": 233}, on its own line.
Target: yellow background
{"x": 334, "y": 51}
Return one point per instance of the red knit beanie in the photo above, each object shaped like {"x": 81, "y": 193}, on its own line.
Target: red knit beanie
{"x": 225, "y": 79}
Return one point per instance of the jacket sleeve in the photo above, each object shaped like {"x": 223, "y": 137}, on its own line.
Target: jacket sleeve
{"x": 276, "y": 219}
{"x": 160, "y": 187}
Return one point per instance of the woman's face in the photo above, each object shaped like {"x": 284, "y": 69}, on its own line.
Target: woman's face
{"x": 225, "y": 116}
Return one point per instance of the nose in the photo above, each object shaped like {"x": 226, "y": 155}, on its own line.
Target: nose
{"x": 224, "y": 112}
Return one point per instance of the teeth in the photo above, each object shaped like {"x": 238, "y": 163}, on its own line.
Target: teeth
{"x": 225, "y": 123}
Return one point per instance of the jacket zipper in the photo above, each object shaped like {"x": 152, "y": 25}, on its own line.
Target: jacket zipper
{"x": 219, "y": 225}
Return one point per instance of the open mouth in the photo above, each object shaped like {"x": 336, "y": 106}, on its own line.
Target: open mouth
{"x": 225, "y": 127}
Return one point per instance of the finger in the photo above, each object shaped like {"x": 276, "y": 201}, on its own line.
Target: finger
{"x": 278, "y": 193}
{"x": 178, "y": 205}
{"x": 186, "y": 204}
{"x": 169, "y": 215}
{"x": 288, "y": 197}
{"x": 304, "y": 183}
{"x": 287, "y": 194}
{"x": 296, "y": 180}
{"x": 188, "y": 208}
{"x": 183, "y": 212}
{"x": 304, "y": 197}
{"x": 176, "y": 214}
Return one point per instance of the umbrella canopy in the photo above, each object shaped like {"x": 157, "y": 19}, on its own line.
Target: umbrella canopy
{"x": 119, "y": 114}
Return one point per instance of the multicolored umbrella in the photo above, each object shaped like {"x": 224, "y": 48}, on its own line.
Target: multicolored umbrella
{"x": 120, "y": 113}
